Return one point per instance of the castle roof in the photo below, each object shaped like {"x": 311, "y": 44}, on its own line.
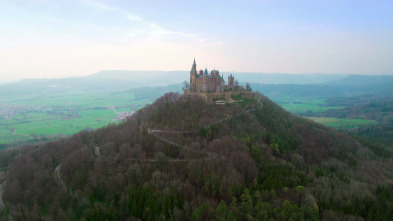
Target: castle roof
{"x": 206, "y": 73}
{"x": 214, "y": 71}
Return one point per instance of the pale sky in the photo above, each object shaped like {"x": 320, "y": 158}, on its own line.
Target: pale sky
{"x": 54, "y": 38}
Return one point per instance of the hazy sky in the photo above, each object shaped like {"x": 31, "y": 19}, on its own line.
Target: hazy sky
{"x": 44, "y": 38}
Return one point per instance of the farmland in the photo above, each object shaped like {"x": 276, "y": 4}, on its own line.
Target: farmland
{"x": 31, "y": 117}
{"x": 309, "y": 105}
{"x": 299, "y": 105}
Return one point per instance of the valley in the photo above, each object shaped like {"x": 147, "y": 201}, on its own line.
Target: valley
{"x": 257, "y": 161}
{"x": 196, "y": 110}
{"x": 39, "y": 115}
{"x": 92, "y": 141}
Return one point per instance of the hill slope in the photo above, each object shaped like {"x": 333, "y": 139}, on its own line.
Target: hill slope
{"x": 181, "y": 159}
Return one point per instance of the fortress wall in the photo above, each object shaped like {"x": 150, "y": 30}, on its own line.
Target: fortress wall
{"x": 210, "y": 96}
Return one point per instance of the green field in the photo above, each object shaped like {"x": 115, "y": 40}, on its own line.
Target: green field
{"x": 53, "y": 115}
{"x": 308, "y": 105}
{"x": 84, "y": 99}
{"x": 342, "y": 123}
{"x": 302, "y": 105}
{"x": 33, "y": 125}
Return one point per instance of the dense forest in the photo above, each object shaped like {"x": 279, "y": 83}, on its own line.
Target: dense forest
{"x": 379, "y": 109}
{"x": 183, "y": 159}
{"x": 370, "y": 108}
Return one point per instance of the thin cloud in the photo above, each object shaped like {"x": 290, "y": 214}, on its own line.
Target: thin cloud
{"x": 150, "y": 28}
{"x": 101, "y": 6}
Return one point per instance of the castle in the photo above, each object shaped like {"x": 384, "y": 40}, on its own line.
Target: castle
{"x": 212, "y": 88}
{"x": 203, "y": 82}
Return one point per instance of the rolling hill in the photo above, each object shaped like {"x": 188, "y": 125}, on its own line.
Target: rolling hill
{"x": 181, "y": 159}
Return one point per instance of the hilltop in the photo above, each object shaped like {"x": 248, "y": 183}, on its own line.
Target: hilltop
{"x": 181, "y": 158}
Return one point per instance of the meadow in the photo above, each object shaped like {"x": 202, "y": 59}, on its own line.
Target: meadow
{"x": 35, "y": 117}
{"x": 299, "y": 105}
{"x": 307, "y": 105}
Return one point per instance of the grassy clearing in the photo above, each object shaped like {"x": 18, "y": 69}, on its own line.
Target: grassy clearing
{"x": 342, "y": 123}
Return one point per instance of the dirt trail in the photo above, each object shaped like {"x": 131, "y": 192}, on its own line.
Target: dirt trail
{"x": 155, "y": 132}
{"x": 13, "y": 131}
{"x": 68, "y": 190}
{"x": 1, "y": 195}
{"x": 209, "y": 155}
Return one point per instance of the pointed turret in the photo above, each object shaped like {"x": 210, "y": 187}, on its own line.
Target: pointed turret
{"x": 193, "y": 76}
{"x": 193, "y": 69}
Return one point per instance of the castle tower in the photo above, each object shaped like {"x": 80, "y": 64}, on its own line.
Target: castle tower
{"x": 193, "y": 76}
{"x": 231, "y": 80}
{"x": 205, "y": 80}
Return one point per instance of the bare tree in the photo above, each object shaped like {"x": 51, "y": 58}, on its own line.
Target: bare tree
{"x": 186, "y": 85}
{"x": 236, "y": 83}
{"x": 248, "y": 86}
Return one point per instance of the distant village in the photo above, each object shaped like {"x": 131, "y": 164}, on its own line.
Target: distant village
{"x": 123, "y": 115}
{"x": 9, "y": 111}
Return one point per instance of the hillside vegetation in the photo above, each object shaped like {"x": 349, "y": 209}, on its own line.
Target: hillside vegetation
{"x": 367, "y": 117}
{"x": 182, "y": 159}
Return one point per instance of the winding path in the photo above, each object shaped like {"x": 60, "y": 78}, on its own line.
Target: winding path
{"x": 155, "y": 132}
{"x": 209, "y": 155}
{"x": 1, "y": 195}
{"x": 65, "y": 187}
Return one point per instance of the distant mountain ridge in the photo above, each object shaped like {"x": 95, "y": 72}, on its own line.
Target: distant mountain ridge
{"x": 353, "y": 85}
{"x": 255, "y": 77}
{"x": 117, "y": 80}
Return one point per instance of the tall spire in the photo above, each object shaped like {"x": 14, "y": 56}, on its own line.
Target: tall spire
{"x": 193, "y": 68}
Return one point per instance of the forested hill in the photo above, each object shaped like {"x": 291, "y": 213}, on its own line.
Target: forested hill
{"x": 182, "y": 159}
{"x": 353, "y": 85}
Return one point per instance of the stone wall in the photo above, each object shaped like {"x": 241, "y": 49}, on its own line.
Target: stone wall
{"x": 225, "y": 95}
